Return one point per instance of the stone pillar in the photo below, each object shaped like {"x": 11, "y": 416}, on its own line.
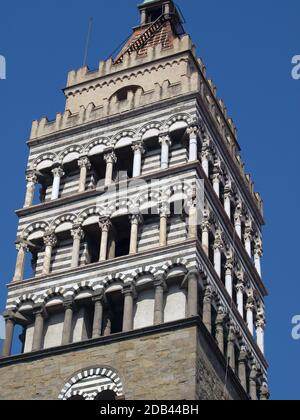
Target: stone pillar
{"x": 107, "y": 324}
{"x": 253, "y": 383}
{"x": 129, "y": 295}
{"x": 217, "y": 178}
{"x": 32, "y": 180}
{"x": 192, "y": 284}
{"x": 22, "y": 248}
{"x": 228, "y": 273}
{"x": 38, "y": 334}
{"x": 193, "y": 219}
{"x": 9, "y": 333}
{"x": 165, "y": 142}
{"x": 136, "y": 220}
{"x": 98, "y": 314}
{"x": 77, "y": 235}
{"x": 227, "y": 199}
{"x": 220, "y": 320}
{"x": 250, "y": 311}
{"x": 84, "y": 165}
{"x": 218, "y": 247}
{"x": 193, "y": 131}
{"x": 205, "y": 226}
{"x": 68, "y": 321}
{"x": 205, "y": 156}
{"x": 138, "y": 151}
{"x": 207, "y": 302}
{"x": 110, "y": 159}
{"x": 248, "y": 238}
{"x": 242, "y": 367}
{"x": 264, "y": 392}
{"x": 50, "y": 242}
{"x": 163, "y": 227}
{"x": 238, "y": 220}
{"x": 258, "y": 253}
{"x": 240, "y": 287}
{"x": 160, "y": 288}
{"x": 105, "y": 226}
{"x": 58, "y": 173}
{"x": 112, "y": 244}
{"x": 260, "y": 329}
{"x": 231, "y": 348}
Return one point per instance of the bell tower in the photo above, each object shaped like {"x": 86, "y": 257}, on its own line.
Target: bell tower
{"x": 145, "y": 240}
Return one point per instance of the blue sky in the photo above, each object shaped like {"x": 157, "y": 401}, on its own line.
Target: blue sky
{"x": 247, "y": 47}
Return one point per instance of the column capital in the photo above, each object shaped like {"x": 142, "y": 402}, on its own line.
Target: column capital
{"x": 250, "y": 305}
{"x": 221, "y": 316}
{"x": 243, "y": 356}
{"x": 98, "y": 296}
{"x": 138, "y": 146}
{"x": 238, "y": 211}
{"x": 258, "y": 247}
{"x": 58, "y": 170}
{"x": 50, "y": 239}
{"x": 136, "y": 218}
{"x": 248, "y": 231}
{"x": 219, "y": 240}
{"x": 229, "y": 265}
{"x": 160, "y": 282}
{"x": 193, "y": 129}
{"x": 164, "y": 138}
{"x": 84, "y": 162}
{"x": 39, "y": 309}
{"x": 191, "y": 273}
{"x": 208, "y": 294}
{"x": 231, "y": 333}
{"x": 105, "y": 224}
{"x": 206, "y": 222}
{"x": 110, "y": 156}
{"x": 9, "y": 316}
{"x": 254, "y": 372}
{"x": 164, "y": 209}
{"x": 68, "y": 303}
{"x": 22, "y": 244}
{"x": 31, "y": 176}
{"x": 129, "y": 290}
{"x": 260, "y": 318}
{"x": 264, "y": 392}
{"x": 228, "y": 189}
{"x": 77, "y": 232}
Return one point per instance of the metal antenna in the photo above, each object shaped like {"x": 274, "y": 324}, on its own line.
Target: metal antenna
{"x": 88, "y": 41}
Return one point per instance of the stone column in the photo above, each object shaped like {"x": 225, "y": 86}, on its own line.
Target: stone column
{"x": 205, "y": 226}
{"x": 253, "y": 383}
{"x": 193, "y": 219}
{"x": 220, "y": 320}
{"x": 218, "y": 247}
{"x": 107, "y": 324}
{"x": 22, "y": 248}
{"x": 231, "y": 347}
{"x": 58, "y": 173}
{"x": 207, "y": 302}
{"x": 77, "y": 235}
{"x": 238, "y": 220}
{"x": 192, "y": 283}
{"x": 260, "y": 329}
{"x": 129, "y": 295}
{"x": 136, "y": 220}
{"x": 242, "y": 367}
{"x": 50, "y": 242}
{"x": 217, "y": 178}
{"x": 160, "y": 288}
{"x": 227, "y": 199}
{"x": 110, "y": 159}
{"x": 98, "y": 314}
{"x": 228, "y": 273}
{"x": 248, "y": 238}
{"x": 138, "y": 151}
{"x": 163, "y": 228}
{"x": 32, "y": 180}
{"x": 68, "y": 321}
{"x": 258, "y": 253}
{"x": 9, "y": 333}
{"x": 205, "y": 156}
{"x": 165, "y": 142}
{"x": 38, "y": 334}
{"x": 84, "y": 165}
{"x": 264, "y": 392}
{"x": 240, "y": 287}
{"x": 193, "y": 131}
{"x": 105, "y": 226}
{"x": 250, "y": 311}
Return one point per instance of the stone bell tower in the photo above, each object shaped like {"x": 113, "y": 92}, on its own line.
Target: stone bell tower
{"x": 144, "y": 236}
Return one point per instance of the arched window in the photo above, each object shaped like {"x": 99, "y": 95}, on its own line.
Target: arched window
{"x": 76, "y": 398}
{"x": 106, "y": 396}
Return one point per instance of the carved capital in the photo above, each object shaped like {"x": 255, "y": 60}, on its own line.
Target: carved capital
{"x": 136, "y": 218}
{"x": 164, "y": 209}
{"x": 258, "y": 247}
{"x": 77, "y": 232}
{"x": 84, "y": 162}
{"x": 164, "y": 138}
{"x": 110, "y": 157}
{"x": 138, "y": 146}
{"x": 50, "y": 239}
{"x": 22, "y": 245}
{"x": 238, "y": 211}
{"x": 219, "y": 241}
{"x": 260, "y": 318}
{"x": 229, "y": 261}
{"x": 129, "y": 290}
{"x": 105, "y": 224}
{"x": 31, "y": 177}
{"x": 208, "y": 294}
{"x": 221, "y": 316}
{"x": 58, "y": 171}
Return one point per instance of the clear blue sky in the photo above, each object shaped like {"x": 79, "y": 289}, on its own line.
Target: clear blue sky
{"x": 247, "y": 47}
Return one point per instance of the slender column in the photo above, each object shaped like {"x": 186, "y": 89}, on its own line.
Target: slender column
{"x": 84, "y": 165}
{"x": 22, "y": 248}
{"x": 9, "y": 333}
{"x": 217, "y": 177}
{"x": 112, "y": 244}
{"x": 160, "y": 288}
{"x": 250, "y": 311}
{"x": 242, "y": 367}
{"x": 98, "y": 314}
{"x": 105, "y": 226}
{"x": 138, "y": 151}
{"x": 58, "y": 173}
{"x": 205, "y": 231}
{"x": 110, "y": 159}
{"x": 258, "y": 253}
{"x": 50, "y": 242}
{"x": 253, "y": 383}
{"x": 193, "y": 222}
{"x": 260, "y": 329}
{"x": 238, "y": 220}
{"x": 193, "y": 131}
{"x": 207, "y": 302}
{"x": 228, "y": 273}
{"x": 231, "y": 348}
{"x": 136, "y": 220}
{"x": 38, "y": 333}
{"x": 218, "y": 247}
{"x": 205, "y": 156}
{"x": 220, "y": 320}
{"x": 192, "y": 283}
{"x": 227, "y": 199}
{"x": 165, "y": 142}
{"x": 32, "y": 180}
{"x": 129, "y": 295}
{"x": 163, "y": 228}
{"x": 248, "y": 238}
{"x": 107, "y": 324}
{"x": 67, "y": 329}
{"x": 240, "y": 287}
{"x": 264, "y": 392}
{"x": 77, "y": 235}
